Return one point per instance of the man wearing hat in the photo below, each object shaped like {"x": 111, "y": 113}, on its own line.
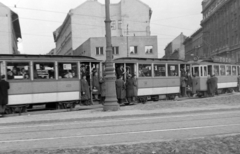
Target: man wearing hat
{"x": 130, "y": 89}
{"x": 120, "y": 89}
{"x": 4, "y": 86}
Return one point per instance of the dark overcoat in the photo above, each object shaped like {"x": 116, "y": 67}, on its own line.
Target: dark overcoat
{"x": 120, "y": 89}
{"x": 215, "y": 82}
{"x": 211, "y": 86}
{"x": 130, "y": 87}
{"x": 183, "y": 81}
{"x": 189, "y": 81}
{"x": 4, "y": 86}
{"x": 102, "y": 87}
{"x": 95, "y": 83}
{"x": 135, "y": 87}
{"x": 194, "y": 85}
{"x": 85, "y": 92}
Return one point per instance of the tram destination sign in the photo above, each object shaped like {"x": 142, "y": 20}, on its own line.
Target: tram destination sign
{"x": 220, "y": 59}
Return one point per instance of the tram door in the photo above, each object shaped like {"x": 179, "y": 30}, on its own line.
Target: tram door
{"x": 185, "y": 68}
{"x": 125, "y": 69}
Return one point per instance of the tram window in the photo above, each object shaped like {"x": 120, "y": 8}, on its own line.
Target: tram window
{"x": 234, "y": 70}
{"x": 228, "y": 70}
{"x": 18, "y": 71}
{"x": 44, "y": 71}
{"x": 216, "y": 70}
{"x": 173, "y": 70}
{"x": 145, "y": 70}
{"x": 159, "y": 70}
{"x": 67, "y": 70}
{"x": 196, "y": 71}
{"x": 222, "y": 70}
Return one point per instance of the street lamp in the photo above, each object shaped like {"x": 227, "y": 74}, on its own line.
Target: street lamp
{"x": 110, "y": 78}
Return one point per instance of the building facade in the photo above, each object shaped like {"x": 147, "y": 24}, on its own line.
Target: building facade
{"x": 194, "y": 46}
{"x": 133, "y": 46}
{"x": 221, "y": 29}
{"x": 9, "y": 31}
{"x": 176, "y": 48}
{"x": 87, "y": 20}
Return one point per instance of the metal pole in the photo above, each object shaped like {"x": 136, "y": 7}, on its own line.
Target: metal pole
{"x": 127, "y": 43}
{"x": 110, "y": 78}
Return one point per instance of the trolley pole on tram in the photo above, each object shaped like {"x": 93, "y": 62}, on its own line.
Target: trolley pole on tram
{"x": 110, "y": 78}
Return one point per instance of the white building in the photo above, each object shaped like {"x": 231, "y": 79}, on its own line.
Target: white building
{"x": 87, "y": 20}
{"x": 9, "y": 31}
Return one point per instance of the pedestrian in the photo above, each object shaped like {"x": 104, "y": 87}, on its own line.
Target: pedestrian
{"x": 85, "y": 91}
{"x": 95, "y": 86}
{"x": 189, "y": 85}
{"x": 120, "y": 71}
{"x": 183, "y": 85}
{"x": 135, "y": 88}
{"x": 102, "y": 90}
{"x": 211, "y": 86}
{"x": 4, "y": 86}
{"x": 215, "y": 83}
{"x": 120, "y": 89}
{"x": 194, "y": 85}
{"x": 130, "y": 89}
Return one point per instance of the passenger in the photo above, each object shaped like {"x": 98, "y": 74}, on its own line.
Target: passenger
{"x": 194, "y": 85}
{"x": 102, "y": 89}
{"x": 189, "y": 85}
{"x": 14, "y": 70}
{"x": 130, "y": 89}
{"x": 68, "y": 74}
{"x": 211, "y": 86}
{"x": 85, "y": 91}
{"x": 23, "y": 72}
{"x": 95, "y": 86}
{"x": 9, "y": 74}
{"x": 215, "y": 84}
{"x": 120, "y": 71}
{"x": 183, "y": 85}
{"x": 120, "y": 89}
{"x": 135, "y": 88}
{"x": 26, "y": 76}
{"x": 4, "y": 86}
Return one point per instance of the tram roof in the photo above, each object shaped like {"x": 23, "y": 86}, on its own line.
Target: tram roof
{"x": 209, "y": 61}
{"x": 147, "y": 59}
{"x": 2, "y": 56}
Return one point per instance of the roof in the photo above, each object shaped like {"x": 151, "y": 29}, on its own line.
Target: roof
{"x": 145, "y": 59}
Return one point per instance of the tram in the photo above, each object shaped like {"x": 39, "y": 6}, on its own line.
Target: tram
{"x": 45, "y": 79}
{"x": 157, "y": 78}
{"x": 226, "y": 73}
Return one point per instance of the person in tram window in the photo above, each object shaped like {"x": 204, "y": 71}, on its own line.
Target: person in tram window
{"x": 85, "y": 91}
{"x": 120, "y": 89}
{"x": 4, "y": 86}
{"x": 183, "y": 85}
{"x": 130, "y": 89}
{"x": 95, "y": 85}
{"x": 9, "y": 74}
{"x": 102, "y": 89}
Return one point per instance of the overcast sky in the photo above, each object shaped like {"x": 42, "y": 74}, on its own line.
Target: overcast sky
{"x": 169, "y": 19}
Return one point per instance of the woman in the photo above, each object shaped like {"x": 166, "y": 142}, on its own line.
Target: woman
{"x": 85, "y": 92}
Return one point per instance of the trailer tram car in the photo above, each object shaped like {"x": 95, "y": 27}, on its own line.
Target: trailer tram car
{"x": 227, "y": 75}
{"x": 53, "y": 81}
{"x": 157, "y": 78}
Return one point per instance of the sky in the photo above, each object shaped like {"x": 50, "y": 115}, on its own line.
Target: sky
{"x": 39, "y": 18}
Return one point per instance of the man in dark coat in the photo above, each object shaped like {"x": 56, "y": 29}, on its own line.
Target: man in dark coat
{"x": 215, "y": 84}
{"x": 194, "y": 85}
{"x": 135, "y": 88}
{"x": 211, "y": 86}
{"x": 85, "y": 92}
{"x": 130, "y": 89}
{"x": 189, "y": 85}
{"x": 120, "y": 89}
{"x": 183, "y": 85}
{"x": 120, "y": 71}
{"x": 95, "y": 85}
{"x": 4, "y": 86}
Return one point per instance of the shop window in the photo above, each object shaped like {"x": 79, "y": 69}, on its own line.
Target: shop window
{"x": 234, "y": 70}
{"x": 145, "y": 70}
{"x": 159, "y": 70}
{"x": 222, "y": 70}
{"x": 228, "y": 70}
{"x": 67, "y": 70}
{"x": 216, "y": 70}
{"x": 173, "y": 70}
{"x": 18, "y": 70}
{"x": 44, "y": 70}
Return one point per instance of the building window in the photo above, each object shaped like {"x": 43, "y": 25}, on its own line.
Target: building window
{"x": 148, "y": 49}
{"x": 133, "y": 50}
{"x": 99, "y": 50}
{"x": 119, "y": 24}
{"x": 115, "y": 50}
{"x": 113, "y": 25}
{"x": 18, "y": 71}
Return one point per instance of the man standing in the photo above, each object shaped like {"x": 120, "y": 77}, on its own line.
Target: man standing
{"x": 4, "y": 86}
{"x": 120, "y": 89}
{"x": 130, "y": 89}
{"x": 194, "y": 85}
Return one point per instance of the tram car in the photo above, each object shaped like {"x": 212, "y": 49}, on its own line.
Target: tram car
{"x": 157, "y": 78}
{"x": 45, "y": 79}
{"x": 227, "y": 75}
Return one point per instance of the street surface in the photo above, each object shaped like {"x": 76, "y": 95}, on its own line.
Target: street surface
{"x": 117, "y": 131}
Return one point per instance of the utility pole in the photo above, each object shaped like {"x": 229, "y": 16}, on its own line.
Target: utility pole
{"x": 110, "y": 78}
{"x": 127, "y": 43}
